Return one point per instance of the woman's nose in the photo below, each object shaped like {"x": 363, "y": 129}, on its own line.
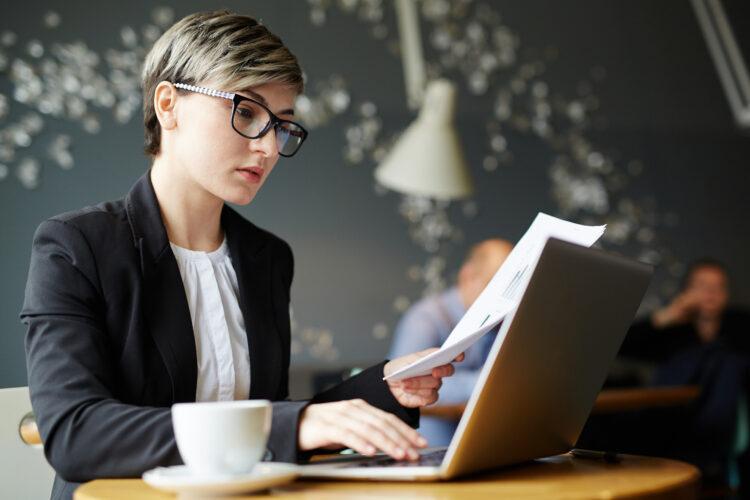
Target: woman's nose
{"x": 266, "y": 144}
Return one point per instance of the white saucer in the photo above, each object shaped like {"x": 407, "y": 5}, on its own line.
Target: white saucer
{"x": 179, "y": 479}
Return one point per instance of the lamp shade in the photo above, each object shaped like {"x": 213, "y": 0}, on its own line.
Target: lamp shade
{"x": 427, "y": 160}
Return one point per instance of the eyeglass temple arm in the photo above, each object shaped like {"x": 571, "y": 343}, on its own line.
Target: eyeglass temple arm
{"x": 206, "y": 91}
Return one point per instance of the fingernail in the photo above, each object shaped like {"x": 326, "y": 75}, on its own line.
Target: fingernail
{"x": 370, "y": 450}
{"x": 399, "y": 453}
{"x": 422, "y": 441}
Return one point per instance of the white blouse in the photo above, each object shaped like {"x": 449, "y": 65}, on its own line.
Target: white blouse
{"x": 218, "y": 326}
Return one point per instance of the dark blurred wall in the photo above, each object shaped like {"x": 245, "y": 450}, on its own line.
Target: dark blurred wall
{"x": 660, "y": 103}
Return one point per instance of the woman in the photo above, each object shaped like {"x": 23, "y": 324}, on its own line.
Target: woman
{"x": 168, "y": 295}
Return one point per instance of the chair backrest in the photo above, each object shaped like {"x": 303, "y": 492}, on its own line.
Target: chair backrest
{"x": 24, "y": 472}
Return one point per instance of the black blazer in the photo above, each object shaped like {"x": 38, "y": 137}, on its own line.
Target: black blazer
{"x": 110, "y": 345}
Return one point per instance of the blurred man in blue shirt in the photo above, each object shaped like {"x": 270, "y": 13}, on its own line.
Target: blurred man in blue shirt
{"x": 429, "y": 322}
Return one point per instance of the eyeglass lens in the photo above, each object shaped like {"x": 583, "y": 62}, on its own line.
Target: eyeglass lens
{"x": 250, "y": 119}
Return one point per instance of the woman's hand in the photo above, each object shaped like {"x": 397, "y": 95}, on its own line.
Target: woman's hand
{"x": 360, "y": 426}
{"x": 421, "y": 391}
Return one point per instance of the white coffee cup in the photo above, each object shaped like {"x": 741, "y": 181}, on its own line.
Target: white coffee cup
{"x": 226, "y": 437}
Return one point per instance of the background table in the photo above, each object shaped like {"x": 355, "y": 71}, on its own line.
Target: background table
{"x": 562, "y": 476}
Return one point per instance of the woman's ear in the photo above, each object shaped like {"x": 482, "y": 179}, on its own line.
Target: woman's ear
{"x": 165, "y": 98}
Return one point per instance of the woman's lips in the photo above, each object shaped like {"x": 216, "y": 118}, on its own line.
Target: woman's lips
{"x": 251, "y": 174}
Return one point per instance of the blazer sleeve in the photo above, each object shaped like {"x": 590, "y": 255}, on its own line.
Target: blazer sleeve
{"x": 87, "y": 433}
{"x": 282, "y": 441}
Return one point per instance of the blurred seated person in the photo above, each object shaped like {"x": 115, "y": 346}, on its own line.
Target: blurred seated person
{"x": 429, "y": 322}
{"x": 697, "y": 339}
{"x": 699, "y": 315}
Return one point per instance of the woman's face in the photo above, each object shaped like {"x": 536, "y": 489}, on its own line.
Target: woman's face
{"x": 215, "y": 157}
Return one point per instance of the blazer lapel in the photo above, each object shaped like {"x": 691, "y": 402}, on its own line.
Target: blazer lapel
{"x": 252, "y": 262}
{"x": 165, "y": 304}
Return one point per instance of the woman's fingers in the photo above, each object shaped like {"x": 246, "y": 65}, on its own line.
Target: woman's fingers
{"x": 423, "y": 397}
{"x": 425, "y": 382}
{"x": 385, "y": 431}
{"x": 423, "y": 393}
{"x": 381, "y": 433}
{"x": 429, "y": 381}
{"x": 443, "y": 371}
{"x": 359, "y": 426}
{"x": 360, "y": 423}
{"x": 358, "y": 432}
{"x": 352, "y": 439}
{"x": 394, "y": 426}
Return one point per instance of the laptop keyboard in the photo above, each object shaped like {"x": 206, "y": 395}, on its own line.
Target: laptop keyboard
{"x": 432, "y": 458}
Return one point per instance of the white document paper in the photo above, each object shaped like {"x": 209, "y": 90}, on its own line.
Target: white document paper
{"x": 504, "y": 291}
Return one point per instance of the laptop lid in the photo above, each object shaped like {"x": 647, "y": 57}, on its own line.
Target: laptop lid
{"x": 549, "y": 360}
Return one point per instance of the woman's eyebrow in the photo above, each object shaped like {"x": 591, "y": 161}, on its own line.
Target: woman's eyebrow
{"x": 262, "y": 100}
{"x": 256, "y": 96}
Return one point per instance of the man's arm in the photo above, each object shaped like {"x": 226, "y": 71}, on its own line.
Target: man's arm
{"x": 415, "y": 332}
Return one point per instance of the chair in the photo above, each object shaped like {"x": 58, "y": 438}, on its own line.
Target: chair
{"x": 24, "y": 471}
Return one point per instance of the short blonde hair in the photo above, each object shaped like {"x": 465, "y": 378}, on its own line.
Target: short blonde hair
{"x": 232, "y": 51}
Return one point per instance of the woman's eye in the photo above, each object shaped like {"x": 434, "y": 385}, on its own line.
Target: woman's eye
{"x": 245, "y": 113}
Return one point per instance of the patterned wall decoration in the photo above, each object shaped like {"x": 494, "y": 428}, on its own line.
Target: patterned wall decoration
{"x": 465, "y": 40}
{"x": 70, "y": 83}
{"x": 468, "y": 42}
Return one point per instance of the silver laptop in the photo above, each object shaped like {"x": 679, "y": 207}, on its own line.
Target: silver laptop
{"x": 543, "y": 373}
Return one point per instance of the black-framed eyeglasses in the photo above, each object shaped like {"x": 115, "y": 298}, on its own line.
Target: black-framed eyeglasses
{"x": 253, "y": 120}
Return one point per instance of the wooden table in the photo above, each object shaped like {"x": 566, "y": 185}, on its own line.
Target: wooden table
{"x": 608, "y": 401}
{"x": 617, "y": 400}
{"x": 562, "y": 476}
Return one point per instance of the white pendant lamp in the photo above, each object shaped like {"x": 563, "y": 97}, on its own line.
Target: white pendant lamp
{"x": 427, "y": 160}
